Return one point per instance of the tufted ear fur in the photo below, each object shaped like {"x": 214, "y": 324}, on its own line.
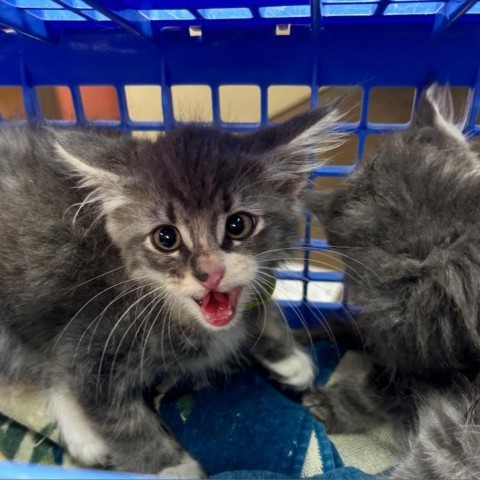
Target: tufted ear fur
{"x": 289, "y": 150}
{"x": 298, "y": 134}
{"x": 95, "y": 155}
{"x": 435, "y": 109}
{"x": 101, "y": 162}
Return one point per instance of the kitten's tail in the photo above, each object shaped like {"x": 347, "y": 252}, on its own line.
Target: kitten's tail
{"x": 447, "y": 445}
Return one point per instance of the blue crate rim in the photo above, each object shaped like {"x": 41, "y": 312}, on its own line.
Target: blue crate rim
{"x": 46, "y": 19}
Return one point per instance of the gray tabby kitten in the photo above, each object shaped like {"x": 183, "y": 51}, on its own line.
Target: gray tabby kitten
{"x": 123, "y": 261}
{"x": 408, "y": 224}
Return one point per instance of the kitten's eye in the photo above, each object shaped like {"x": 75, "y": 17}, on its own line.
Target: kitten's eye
{"x": 166, "y": 238}
{"x": 239, "y": 226}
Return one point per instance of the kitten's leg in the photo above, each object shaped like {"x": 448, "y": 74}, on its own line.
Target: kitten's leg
{"x": 348, "y": 406}
{"x": 116, "y": 428}
{"x": 277, "y": 350}
{"x": 358, "y": 402}
{"x": 83, "y": 442}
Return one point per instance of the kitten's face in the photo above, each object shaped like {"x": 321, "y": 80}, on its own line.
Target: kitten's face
{"x": 408, "y": 225}
{"x": 203, "y": 223}
{"x": 202, "y": 216}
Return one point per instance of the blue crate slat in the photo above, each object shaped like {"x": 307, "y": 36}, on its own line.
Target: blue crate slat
{"x": 193, "y": 4}
{"x": 332, "y": 171}
{"x": 123, "y": 107}
{"x": 313, "y": 276}
{"x": 23, "y": 23}
{"x": 316, "y": 244}
{"x": 288, "y": 275}
{"x": 75, "y": 11}
{"x": 29, "y": 471}
{"x": 32, "y": 105}
{"x": 216, "y": 107}
{"x": 451, "y": 11}
{"x": 381, "y": 7}
{"x": 167, "y": 103}
{"x": 475, "y": 108}
{"x": 326, "y": 276}
{"x": 135, "y": 22}
{"x": 78, "y": 105}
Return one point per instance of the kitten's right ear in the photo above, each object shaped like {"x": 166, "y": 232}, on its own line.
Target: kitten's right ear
{"x": 435, "y": 109}
{"x": 98, "y": 158}
{"x": 100, "y": 161}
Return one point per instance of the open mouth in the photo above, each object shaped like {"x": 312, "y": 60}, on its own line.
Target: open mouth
{"x": 219, "y": 308}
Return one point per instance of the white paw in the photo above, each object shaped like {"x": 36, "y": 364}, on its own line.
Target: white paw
{"x": 82, "y": 441}
{"x": 90, "y": 452}
{"x": 296, "y": 371}
{"x": 187, "y": 468}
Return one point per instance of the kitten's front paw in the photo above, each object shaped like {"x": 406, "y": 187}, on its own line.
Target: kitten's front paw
{"x": 79, "y": 436}
{"x": 318, "y": 403}
{"x": 89, "y": 454}
{"x": 187, "y": 468}
{"x": 296, "y": 371}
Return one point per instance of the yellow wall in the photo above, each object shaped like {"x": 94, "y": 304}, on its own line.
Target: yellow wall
{"x": 237, "y": 103}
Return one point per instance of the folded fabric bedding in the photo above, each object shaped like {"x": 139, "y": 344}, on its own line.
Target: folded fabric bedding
{"x": 244, "y": 427}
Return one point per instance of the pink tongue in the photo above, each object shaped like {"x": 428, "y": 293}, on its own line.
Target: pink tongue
{"x": 217, "y": 308}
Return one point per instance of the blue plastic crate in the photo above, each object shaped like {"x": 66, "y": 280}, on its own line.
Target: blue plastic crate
{"x": 364, "y": 43}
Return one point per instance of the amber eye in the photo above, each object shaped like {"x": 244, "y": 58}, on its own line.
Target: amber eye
{"x": 239, "y": 226}
{"x": 166, "y": 238}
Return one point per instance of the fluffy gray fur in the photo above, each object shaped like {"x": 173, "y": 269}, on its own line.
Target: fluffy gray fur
{"x": 407, "y": 223}
{"x": 93, "y": 313}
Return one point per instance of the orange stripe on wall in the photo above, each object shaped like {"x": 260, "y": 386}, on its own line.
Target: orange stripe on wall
{"x": 99, "y": 103}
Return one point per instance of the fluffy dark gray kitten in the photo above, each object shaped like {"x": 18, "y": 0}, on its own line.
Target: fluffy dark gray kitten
{"x": 123, "y": 261}
{"x": 408, "y": 224}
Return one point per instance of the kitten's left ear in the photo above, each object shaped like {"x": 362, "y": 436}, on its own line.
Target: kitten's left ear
{"x": 287, "y": 149}
{"x": 435, "y": 109}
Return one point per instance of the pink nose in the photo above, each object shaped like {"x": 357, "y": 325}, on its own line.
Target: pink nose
{"x": 213, "y": 279}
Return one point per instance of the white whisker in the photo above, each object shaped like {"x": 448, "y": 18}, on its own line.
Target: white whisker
{"x": 117, "y": 323}
{"x": 84, "y": 305}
